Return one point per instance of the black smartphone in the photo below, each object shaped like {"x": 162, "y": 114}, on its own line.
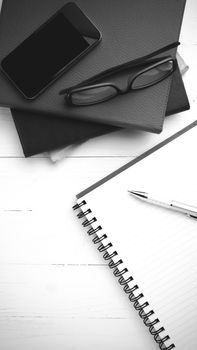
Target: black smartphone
{"x": 52, "y": 49}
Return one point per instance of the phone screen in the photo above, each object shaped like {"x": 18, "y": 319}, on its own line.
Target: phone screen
{"x": 35, "y": 63}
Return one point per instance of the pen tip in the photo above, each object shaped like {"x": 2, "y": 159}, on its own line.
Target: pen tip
{"x": 138, "y": 194}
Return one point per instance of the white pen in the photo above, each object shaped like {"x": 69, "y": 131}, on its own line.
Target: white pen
{"x": 187, "y": 209}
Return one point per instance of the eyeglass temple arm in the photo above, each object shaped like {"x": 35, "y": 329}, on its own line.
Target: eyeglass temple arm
{"x": 121, "y": 66}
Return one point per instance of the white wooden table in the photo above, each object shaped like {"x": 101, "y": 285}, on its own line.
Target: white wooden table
{"x": 55, "y": 290}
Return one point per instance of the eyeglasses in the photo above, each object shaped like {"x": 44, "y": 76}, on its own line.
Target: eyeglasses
{"x": 149, "y": 73}
{"x": 98, "y": 93}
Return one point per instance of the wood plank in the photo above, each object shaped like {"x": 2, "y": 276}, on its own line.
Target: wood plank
{"x": 49, "y": 307}
{"x": 37, "y": 224}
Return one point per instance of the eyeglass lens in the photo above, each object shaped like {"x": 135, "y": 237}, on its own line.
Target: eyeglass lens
{"x": 154, "y": 75}
{"x": 93, "y": 95}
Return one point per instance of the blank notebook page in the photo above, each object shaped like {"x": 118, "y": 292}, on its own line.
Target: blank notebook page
{"x": 157, "y": 245}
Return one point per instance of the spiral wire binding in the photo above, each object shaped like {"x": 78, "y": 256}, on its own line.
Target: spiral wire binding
{"x": 115, "y": 266}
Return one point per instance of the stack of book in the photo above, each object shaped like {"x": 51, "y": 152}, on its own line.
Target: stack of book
{"x": 134, "y": 29}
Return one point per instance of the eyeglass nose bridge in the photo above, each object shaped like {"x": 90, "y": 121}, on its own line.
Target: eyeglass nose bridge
{"x": 124, "y": 90}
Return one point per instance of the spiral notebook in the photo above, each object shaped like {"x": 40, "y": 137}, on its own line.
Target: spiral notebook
{"x": 151, "y": 250}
